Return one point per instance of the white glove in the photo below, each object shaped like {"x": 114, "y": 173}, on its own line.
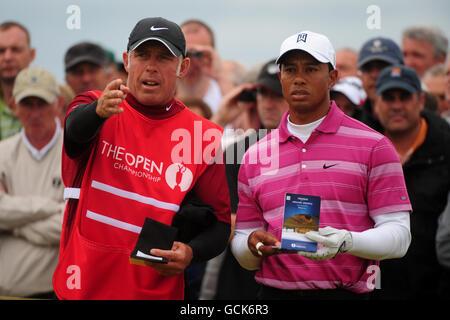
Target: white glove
{"x": 333, "y": 240}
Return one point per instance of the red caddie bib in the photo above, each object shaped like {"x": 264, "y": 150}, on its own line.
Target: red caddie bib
{"x": 138, "y": 168}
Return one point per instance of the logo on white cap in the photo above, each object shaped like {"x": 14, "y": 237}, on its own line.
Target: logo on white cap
{"x": 302, "y": 37}
{"x": 317, "y": 45}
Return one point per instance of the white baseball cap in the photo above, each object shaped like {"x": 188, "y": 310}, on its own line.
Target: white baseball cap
{"x": 313, "y": 43}
{"x": 352, "y": 88}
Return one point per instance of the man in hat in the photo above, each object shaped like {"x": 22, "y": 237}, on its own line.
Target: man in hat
{"x": 86, "y": 66}
{"x": 348, "y": 94}
{"x": 364, "y": 211}
{"x": 136, "y": 152}
{"x": 421, "y": 139}
{"x": 375, "y": 55}
{"x": 31, "y": 190}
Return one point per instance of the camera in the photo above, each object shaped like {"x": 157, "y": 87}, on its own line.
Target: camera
{"x": 247, "y": 95}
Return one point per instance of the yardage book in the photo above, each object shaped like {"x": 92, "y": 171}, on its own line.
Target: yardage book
{"x": 301, "y": 214}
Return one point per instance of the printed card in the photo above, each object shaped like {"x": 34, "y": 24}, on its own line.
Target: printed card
{"x": 301, "y": 214}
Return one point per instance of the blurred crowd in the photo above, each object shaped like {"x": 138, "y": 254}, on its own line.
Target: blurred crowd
{"x": 242, "y": 99}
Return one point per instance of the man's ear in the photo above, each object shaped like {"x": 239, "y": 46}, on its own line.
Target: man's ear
{"x": 13, "y": 106}
{"x": 184, "y": 67}
{"x": 422, "y": 100}
{"x": 332, "y": 78}
{"x": 376, "y": 105}
{"x": 125, "y": 60}
{"x": 32, "y": 54}
{"x": 60, "y": 104}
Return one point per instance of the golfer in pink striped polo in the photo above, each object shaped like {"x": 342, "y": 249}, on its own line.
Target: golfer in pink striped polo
{"x": 317, "y": 150}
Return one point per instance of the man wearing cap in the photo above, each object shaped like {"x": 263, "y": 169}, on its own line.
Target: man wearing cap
{"x": 86, "y": 67}
{"x": 364, "y": 212}
{"x": 348, "y": 94}
{"x": 375, "y": 55}
{"x": 421, "y": 139}
{"x": 31, "y": 189}
{"x": 132, "y": 153}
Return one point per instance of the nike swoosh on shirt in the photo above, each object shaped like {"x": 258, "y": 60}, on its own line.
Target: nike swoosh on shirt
{"x": 153, "y": 28}
{"x": 331, "y": 165}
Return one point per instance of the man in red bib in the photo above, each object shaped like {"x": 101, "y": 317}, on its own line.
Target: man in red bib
{"x": 130, "y": 153}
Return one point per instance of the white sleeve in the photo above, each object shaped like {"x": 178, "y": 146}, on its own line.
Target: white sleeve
{"x": 240, "y": 250}
{"x": 389, "y": 239}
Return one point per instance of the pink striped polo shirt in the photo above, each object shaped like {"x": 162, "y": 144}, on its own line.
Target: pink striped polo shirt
{"x": 356, "y": 172}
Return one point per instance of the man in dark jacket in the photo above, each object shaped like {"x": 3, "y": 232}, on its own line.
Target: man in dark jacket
{"x": 422, "y": 140}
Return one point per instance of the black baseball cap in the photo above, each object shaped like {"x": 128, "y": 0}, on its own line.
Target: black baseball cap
{"x": 268, "y": 76}
{"x": 379, "y": 48}
{"x": 398, "y": 77}
{"x": 159, "y": 29}
{"x": 85, "y": 52}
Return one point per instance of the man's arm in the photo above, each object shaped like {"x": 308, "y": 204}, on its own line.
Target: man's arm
{"x": 250, "y": 226}
{"x": 17, "y": 211}
{"x": 45, "y": 232}
{"x": 212, "y": 189}
{"x": 81, "y": 127}
{"x": 389, "y": 239}
{"x": 87, "y": 115}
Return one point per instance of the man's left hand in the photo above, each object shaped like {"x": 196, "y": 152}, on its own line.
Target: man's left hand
{"x": 333, "y": 240}
{"x": 179, "y": 258}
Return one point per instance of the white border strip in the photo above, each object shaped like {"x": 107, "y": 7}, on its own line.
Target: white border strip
{"x": 113, "y": 222}
{"x": 71, "y": 193}
{"x": 135, "y": 196}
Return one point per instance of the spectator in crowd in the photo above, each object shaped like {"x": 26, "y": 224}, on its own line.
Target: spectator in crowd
{"x": 431, "y": 102}
{"x": 424, "y": 47}
{"x": 436, "y": 84}
{"x": 348, "y": 94}
{"x": 198, "y": 106}
{"x": 16, "y": 54}
{"x": 375, "y": 55}
{"x": 421, "y": 139}
{"x": 68, "y": 95}
{"x": 234, "y": 282}
{"x": 205, "y": 69}
{"x": 121, "y": 72}
{"x": 237, "y": 112}
{"x": 233, "y": 71}
{"x": 357, "y": 228}
{"x": 347, "y": 63}
{"x": 112, "y": 68}
{"x": 31, "y": 189}
{"x": 86, "y": 67}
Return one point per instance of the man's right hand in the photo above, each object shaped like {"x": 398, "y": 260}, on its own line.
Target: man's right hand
{"x": 267, "y": 241}
{"x": 231, "y": 107}
{"x": 113, "y": 95}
